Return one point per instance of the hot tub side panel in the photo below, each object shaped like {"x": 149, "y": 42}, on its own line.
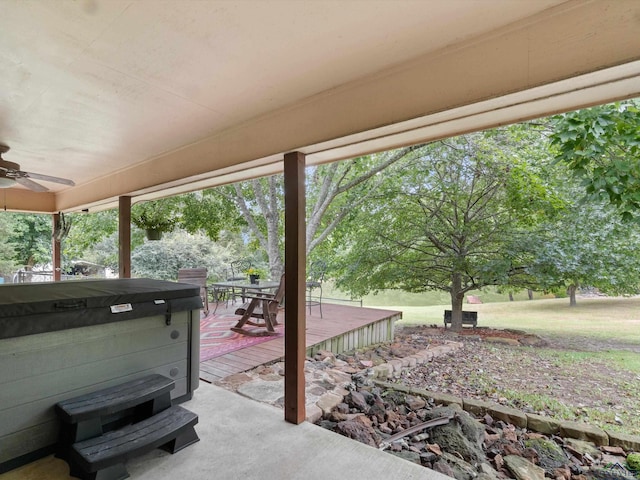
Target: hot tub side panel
{"x": 37, "y": 371}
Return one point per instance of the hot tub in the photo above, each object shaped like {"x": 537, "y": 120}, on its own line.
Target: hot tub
{"x": 60, "y": 340}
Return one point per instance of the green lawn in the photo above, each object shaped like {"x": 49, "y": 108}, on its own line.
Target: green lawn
{"x": 601, "y": 317}
{"x": 615, "y": 318}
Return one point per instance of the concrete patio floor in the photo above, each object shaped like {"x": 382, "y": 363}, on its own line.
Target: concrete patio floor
{"x": 245, "y": 439}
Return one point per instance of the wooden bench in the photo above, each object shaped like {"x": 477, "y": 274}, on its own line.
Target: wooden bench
{"x": 128, "y": 419}
{"x": 468, "y": 318}
{"x": 103, "y": 457}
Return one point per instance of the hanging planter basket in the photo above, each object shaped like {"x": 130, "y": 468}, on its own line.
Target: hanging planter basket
{"x": 153, "y": 234}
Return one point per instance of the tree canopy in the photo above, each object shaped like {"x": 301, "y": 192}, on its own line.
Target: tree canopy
{"x": 333, "y": 192}
{"x": 447, "y": 220}
{"x": 601, "y": 145}
{"x": 586, "y": 246}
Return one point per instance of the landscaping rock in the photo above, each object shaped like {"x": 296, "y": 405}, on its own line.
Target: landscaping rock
{"x": 613, "y": 449}
{"x": 583, "y": 447}
{"x": 441, "y": 398}
{"x": 523, "y": 469}
{"x": 461, "y": 470}
{"x": 539, "y": 423}
{"x": 313, "y": 413}
{"x": 359, "y": 432}
{"x": 328, "y": 402}
{"x": 341, "y": 390}
{"x": 584, "y": 431}
{"x": 550, "y": 455}
{"x": 476, "y": 407}
{"x": 443, "y": 467}
{"x": 508, "y": 415}
{"x": 356, "y": 400}
{"x": 628, "y": 442}
{"x": 415, "y": 402}
{"x": 463, "y": 434}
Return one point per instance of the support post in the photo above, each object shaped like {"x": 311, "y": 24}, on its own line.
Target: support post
{"x": 56, "y": 251}
{"x": 294, "y": 296}
{"x": 124, "y": 237}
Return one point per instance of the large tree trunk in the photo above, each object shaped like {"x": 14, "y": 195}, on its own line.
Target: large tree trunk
{"x": 457, "y": 299}
{"x": 530, "y": 294}
{"x": 572, "y": 295}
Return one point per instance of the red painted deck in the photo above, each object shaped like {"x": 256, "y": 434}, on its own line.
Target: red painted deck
{"x": 338, "y": 321}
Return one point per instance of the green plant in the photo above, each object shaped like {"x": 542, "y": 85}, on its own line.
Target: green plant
{"x": 633, "y": 461}
{"x": 159, "y": 215}
{"x": 256, "y": 271}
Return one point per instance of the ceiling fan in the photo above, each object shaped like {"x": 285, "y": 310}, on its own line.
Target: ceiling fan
{"x": 10, "y": 174}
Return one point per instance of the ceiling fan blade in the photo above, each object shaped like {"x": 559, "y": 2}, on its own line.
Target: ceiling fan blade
{"x": 31, "y": 185}
{"x": 48, "y": 178}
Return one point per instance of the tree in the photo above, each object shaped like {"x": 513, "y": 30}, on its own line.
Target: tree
{"x": 601, "y": 145}
{"x": 449, "y": 221}
{"x": 31, "y": 238}
{"x": 586, "y": 245}
{"x": 7, "y": 247}
{"x": 87, "y": 231}
{"x": 210, "y": 214}
{"x": 333, "y": 192}
{"x": 162, "y": 259}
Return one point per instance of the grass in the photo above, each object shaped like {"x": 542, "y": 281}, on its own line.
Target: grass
{"x": 616, "y": 318}
{"x": 397, "y": 297}
{"x": 621, "y": 358}
{"x": 598, "y": 318}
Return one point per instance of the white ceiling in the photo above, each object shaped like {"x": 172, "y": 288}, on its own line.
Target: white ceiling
{"x": 91, "y": 88}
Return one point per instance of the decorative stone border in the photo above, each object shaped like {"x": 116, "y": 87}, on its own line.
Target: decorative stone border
{"x": 531, "y": 421}
{"x": 392, "y": 368}
{"x": 343, "y": 377}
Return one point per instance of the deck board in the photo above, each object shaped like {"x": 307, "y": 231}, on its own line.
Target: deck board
{"x": 337, "y": 321}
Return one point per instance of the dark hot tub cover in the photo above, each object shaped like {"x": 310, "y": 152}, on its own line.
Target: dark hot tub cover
{"x": 27, "y": 309}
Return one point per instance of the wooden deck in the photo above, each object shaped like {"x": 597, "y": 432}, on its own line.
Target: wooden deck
{"x": 342, "y": 328}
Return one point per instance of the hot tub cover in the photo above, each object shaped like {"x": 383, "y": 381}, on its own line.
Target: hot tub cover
{"x": 27, "y": 309}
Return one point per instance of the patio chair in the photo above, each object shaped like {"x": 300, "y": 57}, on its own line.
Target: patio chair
{"x": 196, "y": 276}
{"x": 260, "y": 311}
{"x": 220, "y": 295}
{"x": 238, "y": 271}
{"x": 314, "y": 281}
